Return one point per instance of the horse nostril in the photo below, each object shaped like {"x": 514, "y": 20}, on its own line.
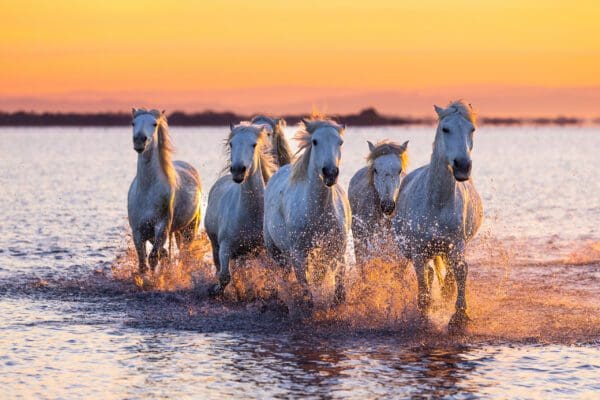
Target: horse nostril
{"x": 463, "y": 164}
{"x": 238, "y": 169}
{"x": 331, "y": 171}
{"x": 388, "y": 206}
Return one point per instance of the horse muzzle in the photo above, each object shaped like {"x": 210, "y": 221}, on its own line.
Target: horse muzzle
{"x": 461, "y": 168}
{"x": 238, "y": 173}
{"x": 330, "y": 175}
{"x": 387, "y": 207}
{"x": 139, "y": 144}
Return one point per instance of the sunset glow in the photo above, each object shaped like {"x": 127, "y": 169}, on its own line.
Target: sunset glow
{"x": 509, "y": 57}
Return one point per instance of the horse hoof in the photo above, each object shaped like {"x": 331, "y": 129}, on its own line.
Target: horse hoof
{"x": 215, "y": 290}
{"x": 458, "y": 323}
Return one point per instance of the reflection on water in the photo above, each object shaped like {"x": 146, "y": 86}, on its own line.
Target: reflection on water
{"x": 57, "y": 355}
{"x": 75, "y": 325}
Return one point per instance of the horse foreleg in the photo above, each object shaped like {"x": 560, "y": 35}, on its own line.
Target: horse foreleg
{"x": 424, "y": 299}
{"x": 160, "y": 237}
{"x": 300, "y": 261}
{"x": 460, "y": 319}
{"x": 224, "y": 276}
{"x": 340, "y": 274}
{"x": 140, "y": 248}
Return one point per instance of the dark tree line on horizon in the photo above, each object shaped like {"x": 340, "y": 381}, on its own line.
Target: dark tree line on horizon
{"x": 367, "y": 117}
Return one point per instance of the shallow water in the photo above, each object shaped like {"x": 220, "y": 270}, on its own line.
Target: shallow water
{"x": 76, "y": 325}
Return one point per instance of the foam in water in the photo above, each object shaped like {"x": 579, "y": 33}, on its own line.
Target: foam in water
{"x": 542, "y": 303}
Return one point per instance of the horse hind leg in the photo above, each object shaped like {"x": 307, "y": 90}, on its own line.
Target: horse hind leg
{"x": 188, "y": 234}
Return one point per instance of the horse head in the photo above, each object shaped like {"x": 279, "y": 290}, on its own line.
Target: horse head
{"x": 387, "y": 161}
{"x": 145, "y": 123}
{"x": 246, "y": 143}
{"x": 454, "y": 138}
{"x": 325, "y": 148}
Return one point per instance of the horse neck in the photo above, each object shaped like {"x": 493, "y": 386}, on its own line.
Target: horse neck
{"x": 252, "y": 190}
{"x": 317, "y": 193}
{"x": 149, "y": 168}
{"x": 373, "y": 197}
{"x": 441, "y": 184}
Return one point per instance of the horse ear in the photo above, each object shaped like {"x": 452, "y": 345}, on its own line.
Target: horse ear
{"x": 371, "y": 146}
{"x": 281, "y": 122}
{"x": 439, "y": 110}
{"x": 261, "y": 128}
{"x": 306, "y": 123}
{"x": 133, "y": 110}
{"x": 343, "y": 127}
{"x": 404, "y": 145}
{"x": 163, "y": 112}
{"x": 231, "y": 126}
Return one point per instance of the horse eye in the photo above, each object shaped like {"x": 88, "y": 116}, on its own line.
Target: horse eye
{"x": 154, "y": 124}
{"x": 133, "y": 124}
{"x": 446, "y": 130}
{"x": 341, "y": 142}
{"x": 375, "y": 170}
{"x": 254, "y": 145}
{"x": 314, "y": 142}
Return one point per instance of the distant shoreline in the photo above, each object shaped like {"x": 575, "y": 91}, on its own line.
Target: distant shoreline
{"x": 367, "y": 117}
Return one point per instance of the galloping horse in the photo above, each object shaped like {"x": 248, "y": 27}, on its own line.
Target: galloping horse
{"x": 372, "y": 192}
{"x": 279, "y": 144}
{"x": 305, "y": 208}
{"x": 164, "y": 197}
{"x": 234, "y": 213}
{"x": 439, "y": 210}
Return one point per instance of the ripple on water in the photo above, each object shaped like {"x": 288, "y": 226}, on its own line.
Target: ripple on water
{"x": 76, "y": 325}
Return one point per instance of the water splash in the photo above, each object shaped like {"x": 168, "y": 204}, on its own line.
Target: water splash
{"x": 533, "y": 302}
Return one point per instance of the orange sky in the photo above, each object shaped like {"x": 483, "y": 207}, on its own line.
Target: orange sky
{"x": 506, "y": 57}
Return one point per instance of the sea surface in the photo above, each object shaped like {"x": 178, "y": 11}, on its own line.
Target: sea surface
{"x": 76, "y": 321}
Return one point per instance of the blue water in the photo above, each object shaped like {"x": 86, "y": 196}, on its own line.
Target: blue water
{"x": 69, "y": 329}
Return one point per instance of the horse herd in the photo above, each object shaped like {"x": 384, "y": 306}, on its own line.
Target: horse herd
{"x": 293, "y": 206}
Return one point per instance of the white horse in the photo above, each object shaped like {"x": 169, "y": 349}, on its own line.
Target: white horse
{"x": 305, "y": 208}
{"x": 372, "y": 192}
{"x": 234, "y": 213}
{"x": 439, "y": 210}
{"x": 279, "y": 144}
{"x": 164, "y": 197}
